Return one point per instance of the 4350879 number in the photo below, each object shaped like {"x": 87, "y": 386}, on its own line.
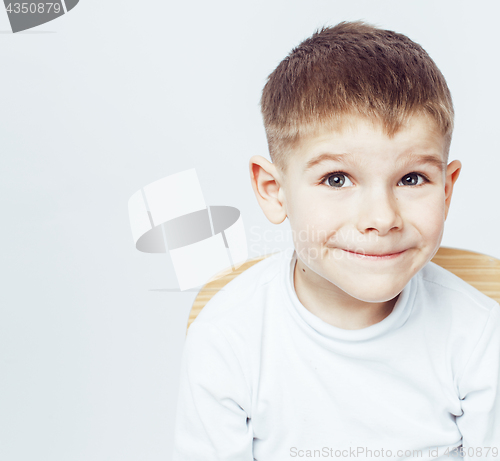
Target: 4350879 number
{"x": 33, "y": 7}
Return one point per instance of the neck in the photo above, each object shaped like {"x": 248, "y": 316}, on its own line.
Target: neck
{"x": 334, "y": 306}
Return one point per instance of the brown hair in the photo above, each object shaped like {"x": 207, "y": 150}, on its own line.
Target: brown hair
{"x": 352, "y": 69}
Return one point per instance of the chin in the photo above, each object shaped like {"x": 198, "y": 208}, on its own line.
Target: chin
{"x": 377, "y": 298}
{"x": 377, "y": 295}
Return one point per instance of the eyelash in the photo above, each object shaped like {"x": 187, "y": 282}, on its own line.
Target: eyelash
{"x": 332, "y": 173}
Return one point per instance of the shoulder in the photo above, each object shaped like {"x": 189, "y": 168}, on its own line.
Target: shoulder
{"x": 454, "y": 317}
{"x": 455, "y": 299}
{"x": 451, "y": 285}
{"x": 239, "y": 302}
{"x": 230, "y": 326}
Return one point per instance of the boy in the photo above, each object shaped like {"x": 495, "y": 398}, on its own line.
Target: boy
{"x": 356, "y": 345}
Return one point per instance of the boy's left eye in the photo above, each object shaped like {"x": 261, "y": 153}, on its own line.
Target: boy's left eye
{"x": 412, "y": 179}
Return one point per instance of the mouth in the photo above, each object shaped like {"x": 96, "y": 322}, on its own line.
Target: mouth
{"x": 375, "y": 257}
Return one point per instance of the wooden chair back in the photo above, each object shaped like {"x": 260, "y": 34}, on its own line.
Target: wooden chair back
{"x": 479, "y": 270}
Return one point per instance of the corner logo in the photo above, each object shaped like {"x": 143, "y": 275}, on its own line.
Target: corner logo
{"x": 26, "y": 15}
{"x": 204, "y": 243}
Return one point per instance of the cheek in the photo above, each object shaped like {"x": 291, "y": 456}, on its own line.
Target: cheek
{"x": 315, "y": 219}
{"x": 428, "y": 216}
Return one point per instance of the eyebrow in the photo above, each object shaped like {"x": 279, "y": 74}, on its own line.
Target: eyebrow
{"x": 404, "y": 159}
{"x": 345, "y": 158}
{"x": 423, "y": 159}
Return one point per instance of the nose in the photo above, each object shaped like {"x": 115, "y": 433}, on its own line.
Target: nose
{"x": 379, "y": 211}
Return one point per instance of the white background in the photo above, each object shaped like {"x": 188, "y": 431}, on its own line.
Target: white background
{"x": 117, "y": 94}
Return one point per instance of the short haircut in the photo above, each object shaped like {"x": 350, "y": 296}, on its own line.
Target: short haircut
{"x": 352, "y": 68}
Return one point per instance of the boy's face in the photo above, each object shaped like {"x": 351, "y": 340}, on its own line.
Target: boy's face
{"x": 367, "y": 211}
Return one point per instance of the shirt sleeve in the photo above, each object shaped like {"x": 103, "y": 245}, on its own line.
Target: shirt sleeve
{"x": 479, "y": 390}
{"x": 213, "y": 408}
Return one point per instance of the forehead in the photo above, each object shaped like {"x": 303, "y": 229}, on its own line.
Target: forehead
{"x": 364, "y": 142}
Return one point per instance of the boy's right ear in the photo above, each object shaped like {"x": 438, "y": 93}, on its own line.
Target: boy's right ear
{"x": 268, "y": 187}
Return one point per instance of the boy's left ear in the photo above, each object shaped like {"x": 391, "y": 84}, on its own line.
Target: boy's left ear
{"x": 452, "y": 173}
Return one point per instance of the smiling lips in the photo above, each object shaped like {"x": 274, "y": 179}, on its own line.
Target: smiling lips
{"x": 374, "y": 256}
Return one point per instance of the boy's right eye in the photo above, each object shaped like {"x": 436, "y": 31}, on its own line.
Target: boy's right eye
{"x": 337, "y": 180}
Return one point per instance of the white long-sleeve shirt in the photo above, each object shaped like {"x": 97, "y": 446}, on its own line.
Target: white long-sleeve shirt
{"x": 263, "y": 378}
